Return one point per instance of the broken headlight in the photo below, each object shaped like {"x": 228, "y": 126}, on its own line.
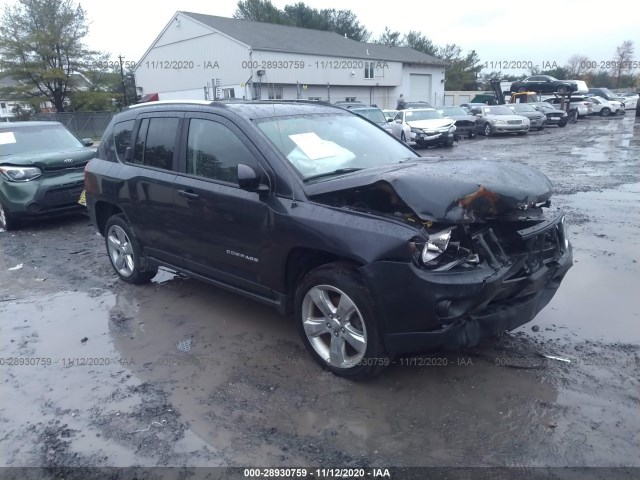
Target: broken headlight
{"x": 436, "y": 245}
{"x": 444, "y": 250}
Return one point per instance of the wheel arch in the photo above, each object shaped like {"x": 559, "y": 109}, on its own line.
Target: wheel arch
{"x": 301, "y": 260}
{"x": 104, "y": 211}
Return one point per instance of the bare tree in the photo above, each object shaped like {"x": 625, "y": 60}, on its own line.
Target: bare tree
{"x": 579, "y": 65}
{"x": 622, "y": 60}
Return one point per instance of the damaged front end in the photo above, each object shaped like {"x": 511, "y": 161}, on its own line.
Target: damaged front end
{"x": 483, "y": 259}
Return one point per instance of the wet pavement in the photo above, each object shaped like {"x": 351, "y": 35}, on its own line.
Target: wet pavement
{"x": 96, "y": 372}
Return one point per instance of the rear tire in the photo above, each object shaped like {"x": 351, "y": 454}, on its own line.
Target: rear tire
{"x": 125, "y": 253}
{"x": 337, "y": 322}
{"x": 7, "y": 220}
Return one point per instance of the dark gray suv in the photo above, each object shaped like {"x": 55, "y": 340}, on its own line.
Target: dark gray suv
{"x": 316, "y": 211}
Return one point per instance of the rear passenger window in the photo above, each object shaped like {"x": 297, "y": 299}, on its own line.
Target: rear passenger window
{"x": 155, "y": 143}
{"x": 122, "y": 137}
{"x": 214, "y": 151}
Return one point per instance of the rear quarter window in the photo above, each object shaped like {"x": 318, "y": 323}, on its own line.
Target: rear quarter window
{"x": 115, "y": 141}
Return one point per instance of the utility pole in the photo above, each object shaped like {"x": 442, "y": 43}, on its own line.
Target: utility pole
{"x": 124, "y": 90}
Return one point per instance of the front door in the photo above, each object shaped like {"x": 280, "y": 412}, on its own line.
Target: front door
{"x": 225, "y": 230}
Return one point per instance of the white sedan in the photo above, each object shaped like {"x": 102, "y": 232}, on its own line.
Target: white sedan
{"x": 425, "y": 126}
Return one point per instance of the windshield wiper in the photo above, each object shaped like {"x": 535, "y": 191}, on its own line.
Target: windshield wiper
{"x": 335, "y": 172}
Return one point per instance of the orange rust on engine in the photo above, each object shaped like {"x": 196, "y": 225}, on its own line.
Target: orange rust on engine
{"x": 491, "y": 197}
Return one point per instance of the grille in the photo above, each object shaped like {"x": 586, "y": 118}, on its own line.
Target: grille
{"x": 514, "y": 122}
{"x": 533, "y": 250}
{"x": 63, "y": 196}
{"x": 57, "y": 168}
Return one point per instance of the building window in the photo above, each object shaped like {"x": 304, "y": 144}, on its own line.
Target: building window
{"x": 228, "y": 93}
{"x": 275, "y": 93}
{"x": 350, "y": 99}
{"x": 317, "y": 99}
{"x": 368, "y": 69}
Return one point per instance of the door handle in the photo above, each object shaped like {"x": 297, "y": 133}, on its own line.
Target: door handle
{"x": 188, "y": 194}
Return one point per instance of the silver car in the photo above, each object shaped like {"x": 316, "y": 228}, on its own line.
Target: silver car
{"x": 494, "y": 119}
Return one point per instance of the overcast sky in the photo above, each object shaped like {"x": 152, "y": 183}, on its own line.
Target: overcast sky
{"x": 539, "y": 31}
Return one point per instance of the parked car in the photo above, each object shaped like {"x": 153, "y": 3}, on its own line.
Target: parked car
{"x": 410, "y": 105}
{"x": 494, "y": 119}
{"x": 465, "y": 123}
{"x": 604, "y": 108}
{"x": 579, "y": 103}
{"x": 554, "y": 116}
{"x": 425, "y": 126}
{"x": 375, "y": 250}
{"x": 548, "y": 84}
{"x": 537, "y": 120}
{"x": 373, "y": 114}
{"x": 630, "y": 100}
{"x": 349, "y": 105}
{"x": 390, "y": 114}
{"x": 41, "y": 171}
{"x": 471, "y": 105}
{"x": 607, "y": 95}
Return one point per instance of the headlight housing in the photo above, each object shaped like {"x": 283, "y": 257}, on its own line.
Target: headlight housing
{"x": 436, "y": 245}
{"x": 20, "y": 174}
{"x": 500, "y": 122}
{"x": 417, "y": 130}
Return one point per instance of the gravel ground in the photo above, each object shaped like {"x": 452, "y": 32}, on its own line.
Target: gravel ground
{"x": 179, "y": 373}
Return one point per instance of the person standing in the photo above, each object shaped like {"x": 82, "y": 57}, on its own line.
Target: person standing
{"x": 401, "y": 102}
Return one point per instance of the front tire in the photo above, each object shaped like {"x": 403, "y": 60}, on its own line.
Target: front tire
{"x": 7, "y": 221}
{"x": 337, "y": 322}
{"x": 562, "y": 89}
{"x": 403, "y": 138}
{"x": 125, "y": 253}
{"x": 488, "y": 131}
{"x": 605, "y": 112}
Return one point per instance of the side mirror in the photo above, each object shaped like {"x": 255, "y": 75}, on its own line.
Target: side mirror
{"x": 248, "y": 179}
{"x": 87, "y": 142}
{"x": 398, "y": 121}
{"x": 389, "y": 120}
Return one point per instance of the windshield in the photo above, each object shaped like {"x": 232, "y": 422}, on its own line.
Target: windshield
{"x": 318, "y": 144}
{"x": 452, "y": 111}
{"x": 497, "y": 111}
{"x": 373, "y": 114}
{"x": 415, "y": 115}
{"x": 521, "y": 107}
{"x": 36, "y": 139}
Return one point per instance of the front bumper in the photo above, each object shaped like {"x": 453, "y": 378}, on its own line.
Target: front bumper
{"x": 510, "y": 128}
{"x": 46, "y": 195}
{"x": 431, "y": 138}
{"x": 459, "y": 308}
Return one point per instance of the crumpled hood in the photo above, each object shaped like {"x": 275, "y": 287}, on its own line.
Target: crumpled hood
{"x": 452, "y": 191}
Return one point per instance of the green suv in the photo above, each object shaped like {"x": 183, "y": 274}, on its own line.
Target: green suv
{"x": 41, "y": 170}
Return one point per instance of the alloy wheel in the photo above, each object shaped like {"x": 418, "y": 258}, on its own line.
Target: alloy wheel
{"x": 3, "y": 218}
{"x": 120, "y": 250}
{"x": 334, "y": 326}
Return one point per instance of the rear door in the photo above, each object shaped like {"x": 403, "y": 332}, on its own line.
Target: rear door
{"x": 224, "y": 230}
{"x": 150, "y": 184}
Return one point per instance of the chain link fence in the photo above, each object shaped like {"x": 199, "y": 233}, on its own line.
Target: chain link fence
{"x": 82, "y": 124}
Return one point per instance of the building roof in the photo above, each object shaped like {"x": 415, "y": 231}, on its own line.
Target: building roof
{"x": 283, "y": 38}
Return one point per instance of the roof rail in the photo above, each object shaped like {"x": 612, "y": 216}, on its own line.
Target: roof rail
{"x": 169, "y": 102}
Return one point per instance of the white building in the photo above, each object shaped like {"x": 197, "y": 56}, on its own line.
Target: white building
{"x": 194, "y": 52}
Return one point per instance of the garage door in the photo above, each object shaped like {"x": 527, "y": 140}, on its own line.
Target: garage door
{"x": 419, "y": 87}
